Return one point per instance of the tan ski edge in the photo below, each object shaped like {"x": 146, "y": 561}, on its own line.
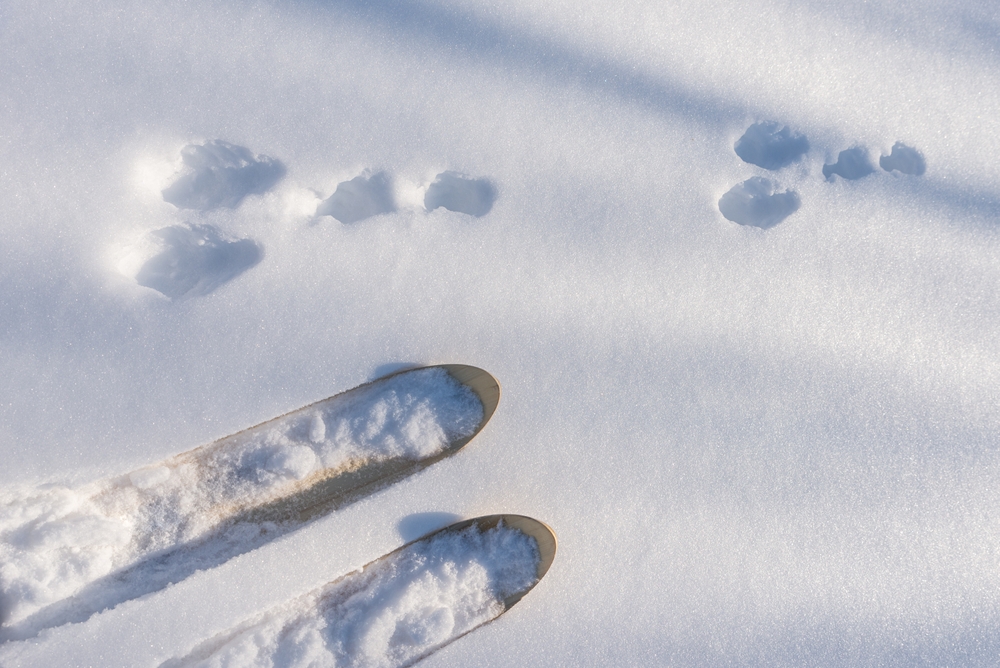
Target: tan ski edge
{"x": 543, "y": 534}
{"x": 347, "y": 487}
{"x": 486, "y": 387}
{"x": 480, "y": 381}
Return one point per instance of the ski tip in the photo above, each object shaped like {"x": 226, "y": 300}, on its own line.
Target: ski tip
{"x": 483, "y": 383}
{"x": 480, "y": 381}
{"x": 543, "y": 534}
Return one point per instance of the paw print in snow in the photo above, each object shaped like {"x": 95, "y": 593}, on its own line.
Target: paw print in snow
{"x": 852, "y": 164}
{"x": 903, "y": 159}
{"x": 757, "y": 202}
{"x": 457, "y": 192}
{"x": 189, "y": 260}
{"x": 219, "y": 174}
{"x": 362, "y": 197}
{"x": 771, "y": 145}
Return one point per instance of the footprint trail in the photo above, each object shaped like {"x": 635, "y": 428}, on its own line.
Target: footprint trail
{"x": 66, "y": 554}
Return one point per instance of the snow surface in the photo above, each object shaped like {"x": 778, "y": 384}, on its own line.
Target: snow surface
{"x": 757, "y": 446}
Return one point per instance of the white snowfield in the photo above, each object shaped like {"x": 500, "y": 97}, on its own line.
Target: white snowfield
{"x": 734, "y": 263}
{"x": 55, "y": 540}
{"x": 395, "y": 611}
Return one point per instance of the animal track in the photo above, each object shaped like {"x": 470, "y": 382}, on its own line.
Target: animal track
{"x": 903, "y": 159}
{"x": 851, "y": 164}
{"x": 361, "y": 197}
{"x": 68, "y": 553}
{"x": 770, "y": 145}
{"x": 755, "y": 202}
{"x": 457, "y": 192}
{"x": 220, "y": 174}
{"x": 767, "y": 144}
{"x": 189, "y": 260}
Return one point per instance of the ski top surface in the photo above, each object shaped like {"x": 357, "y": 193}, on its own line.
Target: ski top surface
{"x": 353, "y": 475}
{"x": 481, "y": 382}
{"x": 542, "y": 533}
{"x": 66, "y": 553}
{"x": 399, "y": 608}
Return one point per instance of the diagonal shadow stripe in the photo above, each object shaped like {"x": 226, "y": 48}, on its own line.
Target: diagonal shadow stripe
{"x": 514, "y": 48}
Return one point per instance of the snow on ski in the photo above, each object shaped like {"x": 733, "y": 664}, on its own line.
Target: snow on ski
{"x": 68, "y": 553}
{"x": 399, "y": 608}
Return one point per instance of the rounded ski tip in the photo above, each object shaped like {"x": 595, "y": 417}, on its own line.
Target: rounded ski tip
{"x": 543, "y": 534}
{"x": 482, "y": 382}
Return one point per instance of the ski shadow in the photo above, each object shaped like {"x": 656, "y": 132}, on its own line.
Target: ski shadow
{"x": 416, "y": 525}
{"x": 389, "y": 368}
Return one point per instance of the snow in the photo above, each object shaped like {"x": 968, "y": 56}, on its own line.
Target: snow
{"x": 757, "y": 446}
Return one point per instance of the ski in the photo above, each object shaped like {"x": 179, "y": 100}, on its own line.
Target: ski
{"x": 400, "y": 608}
{"x": 68, "y": 553}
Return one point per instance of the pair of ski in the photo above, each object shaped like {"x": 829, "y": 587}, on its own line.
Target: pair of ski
{"x": 202, "y": 507}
